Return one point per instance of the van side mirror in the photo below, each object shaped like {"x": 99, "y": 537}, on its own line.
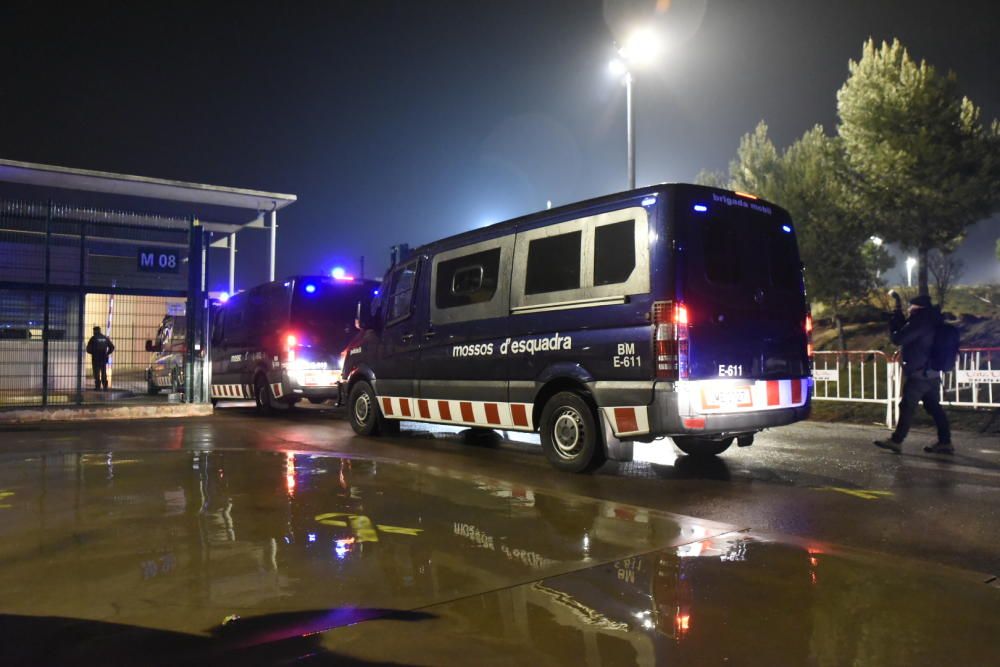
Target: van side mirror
{"x": 150, "y": 347}
{"x": 368, "y": 312}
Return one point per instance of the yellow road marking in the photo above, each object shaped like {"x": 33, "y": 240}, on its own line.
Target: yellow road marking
{"x": 864, "y": 494}
{"x": 362, "y": 526}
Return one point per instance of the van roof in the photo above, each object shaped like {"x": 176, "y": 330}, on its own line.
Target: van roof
{"x": 501, "y": 227}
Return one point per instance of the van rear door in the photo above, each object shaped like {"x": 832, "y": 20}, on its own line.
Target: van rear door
{"x": 740, "y": 277}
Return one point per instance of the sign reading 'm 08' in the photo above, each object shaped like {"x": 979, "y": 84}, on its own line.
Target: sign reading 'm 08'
{"x": 158, "y": 260}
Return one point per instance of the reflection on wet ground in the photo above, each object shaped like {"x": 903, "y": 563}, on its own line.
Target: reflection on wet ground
{"x": 262, "y": 557}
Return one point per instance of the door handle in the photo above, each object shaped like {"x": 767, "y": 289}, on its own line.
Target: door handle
{"x": 406, "y": 338}
{"x": 429, "y": 334}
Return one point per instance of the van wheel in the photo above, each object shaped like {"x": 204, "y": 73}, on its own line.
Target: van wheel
{"x": 366, "y": 419}
{"x": 262, "y": 394}
{"x": 701, "y": 447}
{"x": 570, "y": 438}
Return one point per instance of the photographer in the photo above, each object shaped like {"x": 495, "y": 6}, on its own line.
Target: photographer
{"x": 921, "y": 383}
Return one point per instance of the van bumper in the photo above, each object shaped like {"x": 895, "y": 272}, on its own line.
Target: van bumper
{"x": 667, "y": 417}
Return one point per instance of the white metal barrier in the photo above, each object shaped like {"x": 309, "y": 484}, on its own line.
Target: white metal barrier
{"x": 859, "y": 376}
{"x": 975, "y": 382}
{"x": 871, "y": 376}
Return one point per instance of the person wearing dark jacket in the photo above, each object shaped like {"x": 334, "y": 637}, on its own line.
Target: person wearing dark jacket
{"x": 921, "y": 383}
{"x": 100, "y": 347}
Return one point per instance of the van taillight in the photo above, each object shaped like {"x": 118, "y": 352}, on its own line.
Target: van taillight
{"x": 809, "y": 335}
{"x": 290, "y": 342}
{"x": 670, "y": 340}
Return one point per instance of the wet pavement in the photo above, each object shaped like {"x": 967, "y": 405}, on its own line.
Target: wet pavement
{"x": 199, "y": 542}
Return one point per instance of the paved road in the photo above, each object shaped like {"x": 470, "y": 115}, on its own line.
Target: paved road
{"x": 238, "y": 540}
{"x": 812, "y": 480}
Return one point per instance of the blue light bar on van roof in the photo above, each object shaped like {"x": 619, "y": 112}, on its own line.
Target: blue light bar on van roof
{"x": 786, "y": 228}
{"x": 700, "y": 208}
{"x": 649, "y": 201}
{"x": 310, "y": 288}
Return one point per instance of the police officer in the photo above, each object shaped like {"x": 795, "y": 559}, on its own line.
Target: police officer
{"x": 921, "y": 383}
{"x": 100, "y": 347}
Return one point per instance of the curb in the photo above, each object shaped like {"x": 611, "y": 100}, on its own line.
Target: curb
{"x": 103, "y": 413}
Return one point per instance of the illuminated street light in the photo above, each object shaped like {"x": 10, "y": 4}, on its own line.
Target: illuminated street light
{"x": 910, "y": 263}
{"x": 877, "y": 242}
{"x": 641, "y": 48}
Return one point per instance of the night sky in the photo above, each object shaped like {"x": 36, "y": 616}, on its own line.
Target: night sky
{"x": 406, "y": 121}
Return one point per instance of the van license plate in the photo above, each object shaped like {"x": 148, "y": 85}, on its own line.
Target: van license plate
{"x": 730, "y": 397}
{"x": 319, "y": 378}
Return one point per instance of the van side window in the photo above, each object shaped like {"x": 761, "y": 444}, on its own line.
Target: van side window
{"x": 466, "y": 280}
{"x": 614, "y": 252}
{"x": 401, "y": 293}
{"x": 553, "y": 263}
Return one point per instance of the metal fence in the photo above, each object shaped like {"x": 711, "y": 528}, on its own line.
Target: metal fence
{"x": 976, "y": 379}
{"x": 871, "y": 376}
{"x": 66, "y": 269}
{"x": 860, "y": 376}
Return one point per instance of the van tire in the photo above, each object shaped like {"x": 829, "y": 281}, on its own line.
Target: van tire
{"x": 699, "y": 447}
{"x": 570, "y": 437}
{"x": 363, "y": 411}
{"x": 262, "y": 395}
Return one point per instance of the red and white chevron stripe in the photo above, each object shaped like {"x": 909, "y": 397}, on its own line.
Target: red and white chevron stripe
{"x": 242, "y": 391}
{"x": 488, "y": 414}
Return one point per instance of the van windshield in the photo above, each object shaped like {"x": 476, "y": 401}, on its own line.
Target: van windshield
{"x": 319, "y": 305}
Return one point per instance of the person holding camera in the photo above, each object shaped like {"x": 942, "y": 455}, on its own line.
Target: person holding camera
{"x": 921, "y": 383}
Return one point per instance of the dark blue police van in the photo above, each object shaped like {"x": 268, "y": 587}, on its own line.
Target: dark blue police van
{"x": 672, "y": 310}
{"x": 283, "y": 341}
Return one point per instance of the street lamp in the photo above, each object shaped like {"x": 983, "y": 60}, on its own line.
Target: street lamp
{"x": 877, "y": 242}
{"x": 910, "y": 263}
{"x": 640, "y": 49}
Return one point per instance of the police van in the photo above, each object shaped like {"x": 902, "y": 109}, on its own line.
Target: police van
{"x": 672, "y": 310}
{"x": 169, "y": 348}
{"x": 281, "y": 342}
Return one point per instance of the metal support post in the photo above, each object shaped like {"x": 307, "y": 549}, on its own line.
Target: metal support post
{"x": 274, "y": 239}
{"x": 630, "y": 113}
{"x": 232, "y": 264}
{"x": 193, "y": 376}
{"x": 80, "y": 301}
{"x": 45, "y": 306}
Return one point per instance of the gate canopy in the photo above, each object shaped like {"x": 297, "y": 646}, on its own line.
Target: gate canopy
{"x": 250, "y": 205}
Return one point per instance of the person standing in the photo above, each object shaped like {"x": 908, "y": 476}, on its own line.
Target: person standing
{"x": 921, "y": 383}
{"x": 100, "y": 347}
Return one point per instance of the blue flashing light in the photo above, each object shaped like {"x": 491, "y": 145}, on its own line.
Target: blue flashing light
{"x": 700, "y": 208}
{"x": 375, "y": 292}
{"x": 649, "y": 201}
{"x": 338, "y": 273}
{"x": 310, "y": 288}
{"x": 224, "y": 297}
{"x": 311, "y": 537}
{"x": 786, "y": 229}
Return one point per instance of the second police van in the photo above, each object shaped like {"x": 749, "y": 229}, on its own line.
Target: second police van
{"x": 281, "y": 342}
{"x": 672, "y": 310}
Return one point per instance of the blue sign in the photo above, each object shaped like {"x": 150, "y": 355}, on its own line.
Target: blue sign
{"x": 158, "y": 260}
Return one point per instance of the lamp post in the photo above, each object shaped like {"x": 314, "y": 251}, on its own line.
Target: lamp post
{"x": 877, "y": 242}
{"x": 910, "y": 263}
{"x": 640, "y": 49}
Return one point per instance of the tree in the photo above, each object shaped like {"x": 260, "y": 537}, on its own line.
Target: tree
{"x": 921, "y": 163}
{"x": 841, "y": 264}
{"x": 945, "y": 269}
